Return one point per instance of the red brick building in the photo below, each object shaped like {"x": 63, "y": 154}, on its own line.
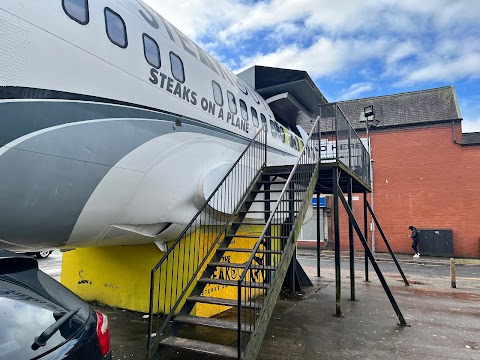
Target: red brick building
{"x": 425, "y": 171}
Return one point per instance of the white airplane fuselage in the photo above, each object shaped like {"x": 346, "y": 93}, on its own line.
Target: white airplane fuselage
{"x": 100, "y": 144}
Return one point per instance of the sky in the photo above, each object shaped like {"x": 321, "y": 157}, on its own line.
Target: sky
{"x": 351, "y": 48}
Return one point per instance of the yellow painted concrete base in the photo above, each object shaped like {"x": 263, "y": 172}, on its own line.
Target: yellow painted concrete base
{"x": 118, "y": 276}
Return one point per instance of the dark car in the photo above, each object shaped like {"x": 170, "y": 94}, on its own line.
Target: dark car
{"x": 41, "y": 319}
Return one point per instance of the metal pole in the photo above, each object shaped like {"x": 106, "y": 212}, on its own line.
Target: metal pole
{"x": 374, "y": 264}
{"x": 388, "y": 245}
{"x": 338, "y": 278}
{"x": 318, "y": 234}
{"x": 351, "y": 246}
{"x": 371, "y": 198}
{"x": 365, "y": 230}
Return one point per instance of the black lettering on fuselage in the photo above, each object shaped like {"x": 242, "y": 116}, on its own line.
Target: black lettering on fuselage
{"x": 220, "y": 114}
{"x": 170, "y": 85}
{"x": 211, "y": 108}
{"x": 153, "y": 79}
{"x": 186, "y": 92}
{"x": 194, "y": 98}
{"x": 178, "y": 90}
{"x": 163, "y": 78}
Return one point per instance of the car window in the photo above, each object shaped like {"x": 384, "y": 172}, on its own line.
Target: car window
{"x": 30, "y": 302}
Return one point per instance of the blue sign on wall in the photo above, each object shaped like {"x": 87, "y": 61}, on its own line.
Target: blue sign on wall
{"x": 323, "y": 202}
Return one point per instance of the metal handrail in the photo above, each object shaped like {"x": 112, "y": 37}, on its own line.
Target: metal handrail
{"x": 289, "y": 202}
{"x": 272, "y": 215}
{"x": 257, "y": 151}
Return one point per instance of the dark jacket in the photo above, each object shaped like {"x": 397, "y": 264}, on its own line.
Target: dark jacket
{"x": 415, "y": 234}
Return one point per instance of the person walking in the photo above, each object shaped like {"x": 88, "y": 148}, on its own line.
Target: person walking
{"x": 416, "y": 238}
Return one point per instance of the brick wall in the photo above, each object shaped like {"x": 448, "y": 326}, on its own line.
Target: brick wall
{"x": 422, "y": 178}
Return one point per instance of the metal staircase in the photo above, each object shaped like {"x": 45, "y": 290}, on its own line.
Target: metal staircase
{"x": 233, "y": 256}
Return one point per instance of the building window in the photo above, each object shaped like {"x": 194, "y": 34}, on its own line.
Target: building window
{"x": 151, "y": 51}
{"x": 77, "y": 10}
{"x": 116, "y": 29}
{"x": 243, "y": 110}
{"x": 178, "y": 71}
{"x": 217, "y": 93}
{"x": 254, "y": 117}
{"x": 232, "y": 103}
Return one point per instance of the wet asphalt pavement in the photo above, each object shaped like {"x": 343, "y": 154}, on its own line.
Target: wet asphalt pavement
{"x": 444, "y": 323}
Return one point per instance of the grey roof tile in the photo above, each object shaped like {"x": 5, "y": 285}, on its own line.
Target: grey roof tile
{"x": 471, "y": 138}
{"x": 404, "y": 109}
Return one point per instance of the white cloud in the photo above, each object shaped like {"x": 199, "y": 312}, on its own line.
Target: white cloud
{"x": 355, "y": 90}
{"x": 471, "y": 125}
{"x": 325, "y": 57}
{"x": 466, "y": 66}
{"x": 407, "y": 44}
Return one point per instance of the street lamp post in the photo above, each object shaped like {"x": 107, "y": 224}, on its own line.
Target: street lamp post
{"x": 368, "y": 117}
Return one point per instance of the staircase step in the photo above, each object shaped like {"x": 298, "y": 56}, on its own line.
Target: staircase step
{"x": 261, "y": 211}
{"x": 224, "y": 302}
{"x": 282, "y": 182}
{"x": 277, "y": 191}
{"x": 275, "y": 200}
{"x": 234, "y": 283}
{"x": 241, "y": 266}
{"x": 211, "y": 322}
{"x": 247, "y": 223}
{"x": 201, "y": 347}
{"x": 257, "y": 236}
{"x": 259, "y": 251}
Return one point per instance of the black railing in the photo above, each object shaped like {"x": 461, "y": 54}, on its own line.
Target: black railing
{"x": 341, "y": 143}
{"x": 176, "y": 274}
{"x": 263, "y": 273}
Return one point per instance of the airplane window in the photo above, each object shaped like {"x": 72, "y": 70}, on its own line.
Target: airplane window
{"x": 217, "y": 93}
{"x": 77, "y": 10}
{"x": 116, "y": 29}
{"x": 232, "y": 104}
{"x": 243, "y": 110}
{"x": 273, "y": 129}
{"x": 151, "y": 51}
{"x": 178, "y": 71}
{"x": 254, "y": 117}
{"x": 263, "y": 119}
{"x": 281, "y": 133}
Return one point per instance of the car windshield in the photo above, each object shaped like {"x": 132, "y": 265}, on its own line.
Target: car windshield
{"x": 30, "y": 302}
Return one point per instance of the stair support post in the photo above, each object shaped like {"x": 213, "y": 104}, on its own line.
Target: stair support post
{"x": 318, "y": 234}
{"x": 387, "y": 244}
{"x": 336, "y": 220}
{"x": 365, "y": 231}
{"x": 373, "y": 261}
{"x": 291, "y": 216}
{"x": 350, "y": 243}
